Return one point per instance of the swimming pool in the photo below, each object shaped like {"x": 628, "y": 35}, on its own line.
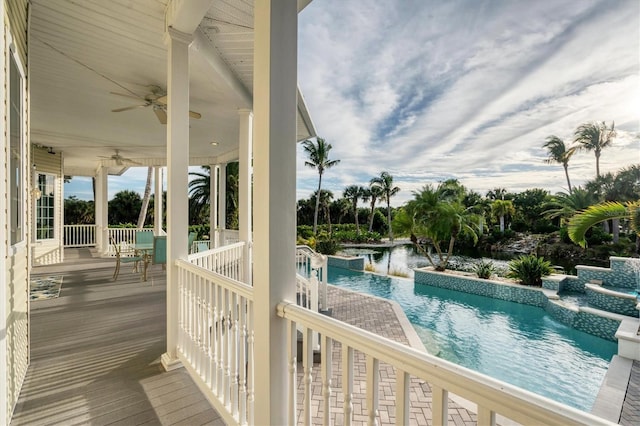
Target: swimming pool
{"x": 515, "y": 343}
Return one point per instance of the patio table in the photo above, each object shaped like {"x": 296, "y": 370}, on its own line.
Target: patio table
{"x": 146, "y": 251}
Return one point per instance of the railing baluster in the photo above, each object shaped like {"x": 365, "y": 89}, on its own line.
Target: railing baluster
{"x": 347, "y": 382}
{"x": 234, "y": 354}
{"x": 219, "y": 344}
{"x": 292, "y": 344}
{"x": 307, "y": 365}
{"x": 373, "y": 379}
{"x": 250, "y": 376}
{"x": 327, "y": 360}
{"x": 402, "y": 397}
{"x": 242, "y": 394}
{"x": 439, "y": 405}
{"x": 486, "y": 416}
{"x": 227, "y": 348}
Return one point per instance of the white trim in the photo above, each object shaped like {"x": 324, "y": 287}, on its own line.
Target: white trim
{"x": 4, "y": 416}
{"x": 34, "y": 206}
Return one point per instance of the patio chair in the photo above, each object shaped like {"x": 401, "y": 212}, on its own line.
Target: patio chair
{"x": 144, "y": 237}
{"x": 192, "y": 238}
{"x": 120, "y": 259}
{"x": 201, "y": 246}
{"x": 159, "y": 252}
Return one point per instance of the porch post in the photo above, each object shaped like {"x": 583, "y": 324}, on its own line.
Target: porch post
{"x": 102, "y": 209}
{"x": 213, "y": 205}
{"x": 157, "y": 201}
{"x": 274, "y": 105}
{"x": 244, "y": 188}
{"x": 222, "y": 198}
{"x": 177, "y": 180}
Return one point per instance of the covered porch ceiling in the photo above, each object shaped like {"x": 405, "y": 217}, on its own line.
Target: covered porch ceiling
{"x": 87, "y": 58}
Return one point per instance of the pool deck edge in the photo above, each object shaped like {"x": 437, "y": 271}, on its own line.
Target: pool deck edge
{"x": 610, "y": 398}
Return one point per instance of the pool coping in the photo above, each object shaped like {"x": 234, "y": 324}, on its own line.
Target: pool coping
{"x": 610, "y": 397}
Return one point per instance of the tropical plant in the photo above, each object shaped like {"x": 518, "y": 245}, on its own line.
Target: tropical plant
{"x": 595, "y": 137}
{"x": 529, "y": 269}
{"x": 318, "y": 154}
{"x": 124, "y": 207}
{"x": 341, "y": 208}
{"x": 484, "y": 269}
{"x": 559, "y": 153}
{"x": 354, "y": 193}
{"x": 326, "y": 197}
{"x": 500, "y": 209}
{"x": 581, "y": 222}
{"x": 564, "y": 205}
{"x": 200, "y": 197}
{"x": 432, "y": 215}
{"x": 385, "y": 182}
{"x": 78, "y": 212}
{"x": 496, "y": 194}
{"x": 374, "y": 193}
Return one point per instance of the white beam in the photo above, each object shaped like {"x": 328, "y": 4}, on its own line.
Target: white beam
{"x": 213, "y": 205}
{"x": 186, "y": 15}
{"x": 244, "y": 188}
{"x": 222, "y": 197}
{"x": 101, "y": 204}
{"x": 4, "y": 236}
{"x": 157, "y": 201}
{"x": 275, "y": 76}
{"x": 177, "y": 180}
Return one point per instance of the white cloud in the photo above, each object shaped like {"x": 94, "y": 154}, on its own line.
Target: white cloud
{"x": 432, "y": 90}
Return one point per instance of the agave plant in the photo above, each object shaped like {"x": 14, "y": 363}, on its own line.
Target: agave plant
{"x": 484, "y": 269}
{"x": 529, "y": 270}
{"x": 580, "y": 223}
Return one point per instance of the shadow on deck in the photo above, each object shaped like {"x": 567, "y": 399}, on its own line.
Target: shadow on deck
{"x": 95, "y": 352}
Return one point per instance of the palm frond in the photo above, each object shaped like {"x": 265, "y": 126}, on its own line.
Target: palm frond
{"x": 580, "y": 223}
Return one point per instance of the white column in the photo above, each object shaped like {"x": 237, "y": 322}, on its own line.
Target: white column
{"x": 222, "y": 198}
{"x": 244, "y": 188}
{"x": 101, "y": 204}
{"x": 4, "y": 236}
{"x": 157, "y": 201}
{"x": 274, "y": 106}
{"x": 213, "y": 205}
{"x": 177, "y": 180}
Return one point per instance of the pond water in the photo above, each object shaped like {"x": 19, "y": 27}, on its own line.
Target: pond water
{"x": 515, "y": 343}
{"x": 405, "y": 258}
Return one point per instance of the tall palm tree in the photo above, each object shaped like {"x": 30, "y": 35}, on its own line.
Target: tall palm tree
{"x": 564, "y": 205}
{"x": 385, "y": 182}
{"x": 500, "y": 209}
{"x": 318, "y": 159}
{"x": 374, "y": 193}
{"x": 354, "y": 193}
{"x": 595, "y": 137}
{"x": 496, "y": 194}
{"x": 559, "y": 153}
{"x": 145, "y": 199}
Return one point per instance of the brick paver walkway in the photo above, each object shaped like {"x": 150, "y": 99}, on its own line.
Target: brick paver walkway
{"x": 631, "y": 408}
{"x": 378, "y": 316}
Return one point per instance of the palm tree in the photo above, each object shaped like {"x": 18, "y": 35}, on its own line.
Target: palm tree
{"x": 500, "y": 209}
{"x": 496, "y": 194}
{"x": 318, "y": 159}
{"x": 581, "y": 222}
{"x": 594, "y": 137}
{"x": 374, "y": 193}
{"x": 385, "y": 182}
{"x": 326, "y": 197}
{"x": 354, "y": 193}
{"x": 564, "y": 205}
{"x": 558, "y": 153}
{"x": 199, "y": 191}
{"x": 145, "y": 199}
{"x": 434, "y": 215}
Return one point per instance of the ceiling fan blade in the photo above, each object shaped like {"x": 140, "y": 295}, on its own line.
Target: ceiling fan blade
{"x": 128, "y": 96}
{"x": 162, "y": 100}
{"x": 194, "y": 114}
{"x": 128, "y": 108}
{"x": 161, "y": 114}
{"x": 127, "y": 161}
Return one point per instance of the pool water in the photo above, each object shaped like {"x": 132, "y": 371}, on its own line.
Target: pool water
{"x": 515, "y": 343}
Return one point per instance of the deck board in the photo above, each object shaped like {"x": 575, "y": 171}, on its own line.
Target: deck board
{"x": 95, "y": 354}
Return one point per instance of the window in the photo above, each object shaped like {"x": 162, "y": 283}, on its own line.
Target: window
{"x": 45, "y": 212}
{"x": 16, "y": 166}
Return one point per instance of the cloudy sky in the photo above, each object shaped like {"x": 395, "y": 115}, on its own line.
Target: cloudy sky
{"x": 429, "y": 90}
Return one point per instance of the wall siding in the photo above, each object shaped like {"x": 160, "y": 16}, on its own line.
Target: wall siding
{"x": 49, "y": 252}
{"x": 17, "y": 11}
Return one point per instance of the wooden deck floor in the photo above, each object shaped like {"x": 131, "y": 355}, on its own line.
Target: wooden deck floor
{"x": 95, "y": 353}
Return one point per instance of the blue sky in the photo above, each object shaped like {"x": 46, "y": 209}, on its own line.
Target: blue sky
{"x": 431, "y": 90}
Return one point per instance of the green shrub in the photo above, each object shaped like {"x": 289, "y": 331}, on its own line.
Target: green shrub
{"x": 596, "y": 235}
{"x": 529, "y": 270}
{"x": 351, "y": 236}
{"x": 305, "y": 231}
{"x": 327, "y": 246}
{"x": 484, "y": 269}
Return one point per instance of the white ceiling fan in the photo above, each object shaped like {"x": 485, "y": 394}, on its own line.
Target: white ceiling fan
{"x": 157, "y": 98}
{"x": 120, "y": 160}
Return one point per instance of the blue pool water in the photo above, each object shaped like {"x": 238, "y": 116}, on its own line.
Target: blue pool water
{"x": 515, "y": 343}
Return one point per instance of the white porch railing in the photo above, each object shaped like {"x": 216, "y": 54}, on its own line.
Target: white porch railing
{"x": 223, "y": 237}
{"x": 122, "y": 235}
{"x": 491, "y": 396}
{"x": 312, "y": 265}
{"x": 226, "y": 261}
{"x": 215, "y": 340}
{"x": 79, "y": 235}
